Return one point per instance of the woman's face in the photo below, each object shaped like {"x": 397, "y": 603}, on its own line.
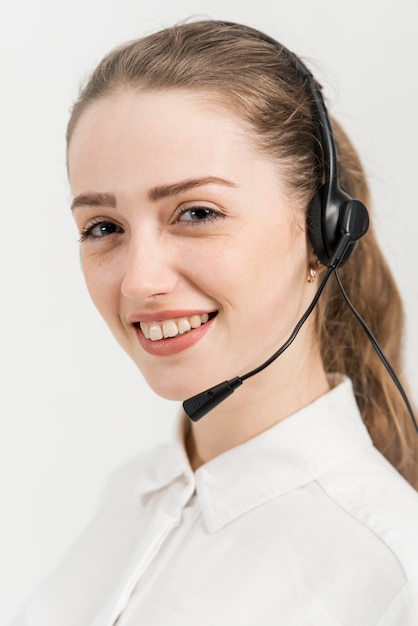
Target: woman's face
{"x": 191, "y": 248}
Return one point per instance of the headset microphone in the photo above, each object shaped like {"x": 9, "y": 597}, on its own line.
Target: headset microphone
{"x": 354, "y": 222}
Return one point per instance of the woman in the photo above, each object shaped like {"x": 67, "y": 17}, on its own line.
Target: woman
{"x": 193, "y": 157}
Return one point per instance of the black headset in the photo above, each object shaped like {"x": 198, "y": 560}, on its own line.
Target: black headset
{"x": 324, "y": 217}
{"x": 335, "y": 222}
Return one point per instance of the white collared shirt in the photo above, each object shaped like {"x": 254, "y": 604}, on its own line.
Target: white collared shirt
{"x": 304, "y": 525}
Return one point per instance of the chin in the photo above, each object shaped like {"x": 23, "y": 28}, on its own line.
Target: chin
{"x": 171, "y": 391}
{"x": 178, "y": 385}
{"x": 168, "y": 386}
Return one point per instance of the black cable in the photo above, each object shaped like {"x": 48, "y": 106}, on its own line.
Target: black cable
{"x": 378, "y": 349}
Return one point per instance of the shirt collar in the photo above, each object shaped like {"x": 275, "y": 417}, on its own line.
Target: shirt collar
{"x": 292, "y": 453}
{"x": 167, "y": 463}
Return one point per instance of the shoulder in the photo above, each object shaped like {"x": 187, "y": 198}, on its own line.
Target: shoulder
{"x": 363, "y": 521}
{"x": 370, "y": 490}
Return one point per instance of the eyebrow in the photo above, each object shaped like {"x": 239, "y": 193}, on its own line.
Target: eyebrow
{"x": 163, "y": 191}
{"x": 94, "y": 199}
{"x": 156, "y": 193}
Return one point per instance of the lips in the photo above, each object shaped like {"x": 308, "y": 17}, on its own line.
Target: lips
{"x": 181, "y": 332}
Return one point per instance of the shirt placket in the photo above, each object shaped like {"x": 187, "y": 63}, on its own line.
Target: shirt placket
{"x": 164, "y": 516}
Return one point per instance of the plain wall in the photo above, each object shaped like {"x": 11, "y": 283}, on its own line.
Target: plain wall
{"x": 73, "y": 406}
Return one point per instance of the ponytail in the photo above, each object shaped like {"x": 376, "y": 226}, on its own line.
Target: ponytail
{"x": 372, "y": 290}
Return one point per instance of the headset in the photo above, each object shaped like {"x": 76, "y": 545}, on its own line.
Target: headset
{"x": 335, "y": 223}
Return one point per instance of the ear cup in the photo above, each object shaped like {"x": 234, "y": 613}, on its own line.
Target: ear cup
{"x": 324, "y": 221}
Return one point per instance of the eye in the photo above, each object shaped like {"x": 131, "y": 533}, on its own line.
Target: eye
{"x": 100, "y": 229}
{"x": 198, "y": 214}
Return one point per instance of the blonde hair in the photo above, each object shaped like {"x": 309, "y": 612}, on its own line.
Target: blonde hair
{"x": 260, "y": 83}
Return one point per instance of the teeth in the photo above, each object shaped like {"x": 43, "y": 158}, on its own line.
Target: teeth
{"x": 184, "y": 326}
{"x": 172, "y": 328}
{"x": 195, "y": 321}
{"x": 155, "y": 332}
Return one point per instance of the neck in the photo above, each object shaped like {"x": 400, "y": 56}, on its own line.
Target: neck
{"x": 260, "y": 403}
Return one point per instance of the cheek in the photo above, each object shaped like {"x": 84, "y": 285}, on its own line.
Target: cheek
{"x": 258, "y": 278}
{"x": 276, "y": 257}
{"x": 103, "y": 284}
{"x": 276, "y": 278}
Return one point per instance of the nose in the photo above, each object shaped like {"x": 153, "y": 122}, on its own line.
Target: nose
{"x": 148, "y": 268}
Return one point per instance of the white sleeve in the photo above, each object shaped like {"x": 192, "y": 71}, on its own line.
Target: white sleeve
{"x": 403, "y": 610}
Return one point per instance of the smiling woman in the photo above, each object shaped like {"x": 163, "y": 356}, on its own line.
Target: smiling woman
{"x": 209, "y": 198}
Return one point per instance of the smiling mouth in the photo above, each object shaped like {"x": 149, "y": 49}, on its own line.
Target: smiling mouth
{"x": 156, "y": 331}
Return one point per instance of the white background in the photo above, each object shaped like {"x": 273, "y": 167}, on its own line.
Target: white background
{"x": 73, "y": 406}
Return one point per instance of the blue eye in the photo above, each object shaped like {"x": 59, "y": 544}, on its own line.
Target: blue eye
{"x": 99, "y": 230}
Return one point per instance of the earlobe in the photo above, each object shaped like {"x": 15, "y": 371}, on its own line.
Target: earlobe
{"x": 311, "y": 274}
{"x": 314, "y": 267}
